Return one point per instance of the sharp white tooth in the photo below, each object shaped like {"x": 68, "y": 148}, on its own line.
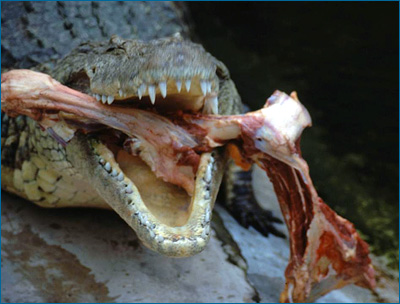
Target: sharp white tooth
{"x": 208, "y": 174}
{"x": 114, "y": 172}
{"x": 120, "y": 177}
{"x": 163, "y": 88}
{"x": 207, "y": 217}
{"x": 203, "y": 85}
{"x": 120, "y": 93}
{"x": 107, "y": 166}
{"x": 209, "y": 86}
{"x": 142, "y": 90}
{"x": 110, "y": 99}
{"x": 211, "y": 105}
{"x": 103, "y": 98}
{"x": 214, "y": 105}
{"x": 179, "y": 85}
{"x": 128, "y": 188}
{"x": 159, "y": 238}
{"x": 187, "y": 85}
{"x": 97, "y": 96}
{"x": 152, "y": 93}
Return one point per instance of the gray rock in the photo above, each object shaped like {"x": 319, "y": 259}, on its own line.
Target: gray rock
{"x": 83, "y": 255}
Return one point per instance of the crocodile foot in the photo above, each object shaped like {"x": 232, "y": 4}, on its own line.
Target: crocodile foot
{"x": 244, "y": 207}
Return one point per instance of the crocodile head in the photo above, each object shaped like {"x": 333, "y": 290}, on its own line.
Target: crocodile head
{"x": 164, "y": 75}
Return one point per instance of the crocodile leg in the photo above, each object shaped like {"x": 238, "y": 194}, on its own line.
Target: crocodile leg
{"x": 241, "y": 203}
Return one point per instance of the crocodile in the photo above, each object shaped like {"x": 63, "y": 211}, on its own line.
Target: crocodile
{"x": 163, "y": 74}
{"x": 112, "y": 149}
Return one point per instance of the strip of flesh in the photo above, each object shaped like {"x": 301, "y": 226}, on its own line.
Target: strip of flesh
{"x": 326, "y": 251}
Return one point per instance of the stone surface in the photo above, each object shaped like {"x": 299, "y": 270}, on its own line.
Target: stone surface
{"x": 83, "y": 255}
{"x": 87, "y": 255}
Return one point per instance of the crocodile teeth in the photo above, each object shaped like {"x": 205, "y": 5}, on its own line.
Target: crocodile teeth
{"x": 152, "y": 93}
{"x": 97, "y": 96}
{"x": 120, "y": 93}
{"x": 107, "y": 166}
{"x": 203, "y": 85}
{"x": 142, "y": 90}
{"x": 187, "y": 85}
{"x": 211, "y": 105}
{"x": 120, "y": 177}
{"x": 207, "y": 217}
{"x": 128, "y": 188}
{"x": 179, "y": 85}
{"x": 209, "y": 86}
{"x": 103, "y": 99}
{"x": 163, "y": 88}
{"x": 159, "y": 238}
{"x": 114, "y": 172}
{"x": 110, "y": 99}
{"x": 208, "y": 174}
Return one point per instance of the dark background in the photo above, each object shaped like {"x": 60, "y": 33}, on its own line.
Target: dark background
{"x": 342, "y": 59}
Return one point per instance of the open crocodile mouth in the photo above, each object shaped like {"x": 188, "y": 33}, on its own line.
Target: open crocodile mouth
{"x": 170, "y": 213}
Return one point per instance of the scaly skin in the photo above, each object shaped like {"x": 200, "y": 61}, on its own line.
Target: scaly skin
{"x": 86, "y": 174}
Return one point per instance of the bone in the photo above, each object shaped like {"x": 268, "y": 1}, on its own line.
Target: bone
{"x": 326, "y": 251}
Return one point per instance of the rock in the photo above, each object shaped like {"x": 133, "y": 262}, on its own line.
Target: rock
{"x": 86, "y": 255}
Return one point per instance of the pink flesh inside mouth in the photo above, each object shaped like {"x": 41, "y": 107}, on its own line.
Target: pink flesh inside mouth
{"x": 326, "y": 251}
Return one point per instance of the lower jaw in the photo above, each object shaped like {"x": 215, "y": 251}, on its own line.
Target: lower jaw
{"x": 165, "y": 218}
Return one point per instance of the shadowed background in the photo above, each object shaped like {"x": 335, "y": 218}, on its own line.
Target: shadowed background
{"x": 342, "y": 59}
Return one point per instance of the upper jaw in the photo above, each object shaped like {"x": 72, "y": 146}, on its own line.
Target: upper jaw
{"x": 194, "y": 94}
{"x": 155, "y": 70}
